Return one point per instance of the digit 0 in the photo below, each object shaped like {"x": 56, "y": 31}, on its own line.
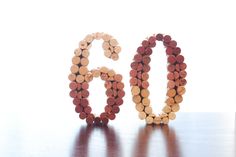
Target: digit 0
{"x": 176, "y": 79}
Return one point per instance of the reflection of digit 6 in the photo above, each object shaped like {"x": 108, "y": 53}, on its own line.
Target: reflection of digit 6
{"x": 80, "y": 77}
{"x": 176, "y": 76}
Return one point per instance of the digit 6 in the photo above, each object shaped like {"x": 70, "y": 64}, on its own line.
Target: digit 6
{"x": 80, "y": 77}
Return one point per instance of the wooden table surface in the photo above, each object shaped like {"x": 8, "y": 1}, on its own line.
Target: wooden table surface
{"x": 190, "y": 135}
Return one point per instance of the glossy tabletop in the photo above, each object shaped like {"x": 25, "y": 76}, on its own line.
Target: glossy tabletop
{"x": 190, "y": 135}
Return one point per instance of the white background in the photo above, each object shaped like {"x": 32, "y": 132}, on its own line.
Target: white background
{"x": 37, "y": 40}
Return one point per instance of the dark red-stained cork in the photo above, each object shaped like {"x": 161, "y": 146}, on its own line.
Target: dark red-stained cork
{"x": 97, "y": 120}
{"x": 183, "y": 74}
{"x": 87, "y": 109}
{"x": 82, "y": 115}
{"x": 159, "y": 37}
{"x": 115, "y": 109}
{"x": 167, "y": 38}
{"x": 89, "y": 120}
{"x": 73, "y": 85}
{"x": 84, "y": 102}
{"x": 76, "y": 101}
{"x": 73, "y": 93}
{"x": 78, "y": 108}
{"x": 170, "y": 76}
{"x": 171, "y": 59}
{"x": 104, "y": 121}
{"x": 180, "y": 59}
{"x": 171, "y": 68}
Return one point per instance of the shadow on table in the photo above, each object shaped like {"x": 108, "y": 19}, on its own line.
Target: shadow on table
{"x": 83, "y": 139}
{"x": 141, "y": 146}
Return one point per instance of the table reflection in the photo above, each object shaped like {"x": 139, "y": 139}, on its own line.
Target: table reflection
{"x": 145, "y": 135}
{"x": 139, "y": 148}
{"x": 81, "y": 146}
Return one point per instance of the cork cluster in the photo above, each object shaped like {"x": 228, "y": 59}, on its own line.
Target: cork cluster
{"x": 80, "y": 77}
{"x": 176, "y": 80}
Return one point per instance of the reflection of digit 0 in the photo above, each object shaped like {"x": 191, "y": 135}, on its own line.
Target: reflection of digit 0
{"x": 80, "y": 77}
{"x": 176, "y": 79}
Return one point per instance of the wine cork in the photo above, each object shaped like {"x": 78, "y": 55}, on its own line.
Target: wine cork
{"x": 139, "y": 107}
{"x": 142, "y": 115}
{"x": 171, "y": 92}
{"x": 145, "y": 76}
{"x": 83, "y": 70}
{"x": 146, "y": 59}
{"x": 85, "y": 85}
{"x": 170, "y": 101}
{"x": 106, "y": 46}
{"x": 135, "y": 90}
{"x": 136, "y": 99}
{"x": 170, "y": 76}
{"x": 118, "y": 77}
{"x": 165, "y": 120}
{"x": 110, "y": 78}
{"x": 73, "y": 85}
{"x": 84, "y": 61}
{"x": 98, "y": 35}
{"x": 89, "y": 38}
{"x": 172, "y": 116}
{"x": 104, "y": 76}
{"x": 176, "y": 75}
{"x": 88, "y": 77}
{"x": 121, "y": 93}
{"x": 145, "y": 93}
{"x": 106, "y": 37}
{"x": 96, "y": 73}
{"x": 166, "y": 109}
{"x": 146, "y": 102}
{"x": 107, "y": 53}
{"x": 178, "y": 98}
{"x": 111, "y": 48}
{"x": 183, "y": 74}
{"x": 183, "y": 82}
{"x": 85, "y": 53}
{"x": 76, "y": 60}
{"x": 113, "y": 42}
{"x": 148, "y": 109}
{"x": 79, "y": 78}
{"x": 111, "y": 73}
{"x": 145, "y": 84}
{"x": 104, "y": 69}
{"x": 171, "y": 84}
{"x": 152, "y": 115}
{"x": 74, "y": 69}
{"x": 120, "y": 85}
{"x": 157, "y": 120}
{"x": 114, "y": 56}
{"x": 162, "y": 115}
{"x": 108, "y": 84}
{"x": 77, "y": 52}
{"x": 181, "y": 90}
{"x": 117, "y": 49}
{"x": 83, "y": 44}
{"x": 82, "y": 115}
{"x": 72, "y": 77}
{"x": 149, "y": 120}
{"x": 175, "y": 107}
